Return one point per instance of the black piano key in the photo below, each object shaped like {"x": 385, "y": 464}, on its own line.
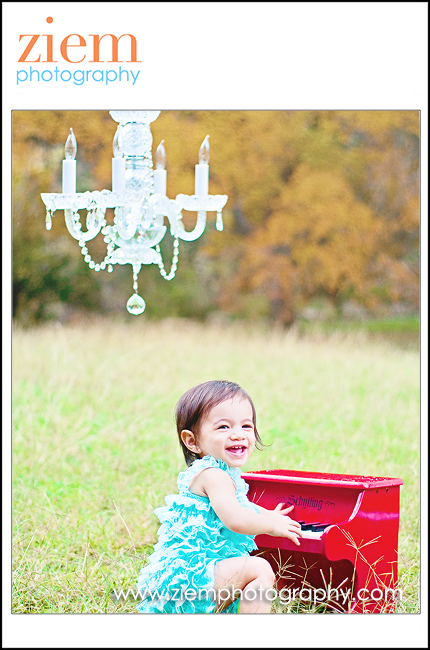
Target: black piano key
{"x": 309, "y": 525}
{"x": 319, "y": 527}
{"x": 301, "y": 522}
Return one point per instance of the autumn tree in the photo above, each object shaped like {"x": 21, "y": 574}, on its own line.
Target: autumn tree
{"x": 342, "y": 220}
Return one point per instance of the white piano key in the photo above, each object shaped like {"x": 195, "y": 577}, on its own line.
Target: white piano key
{"x": 310, "y": 534}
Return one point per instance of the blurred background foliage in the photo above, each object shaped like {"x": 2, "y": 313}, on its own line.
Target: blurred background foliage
{"x": 322, "y": 219}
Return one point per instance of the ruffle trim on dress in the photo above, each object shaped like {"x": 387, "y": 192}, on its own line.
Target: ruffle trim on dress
{"x": 185, "y": 478}
{"x": 195, "y": 532}
{"x": 187, "y": 547}
{"x": 177, "y": 586}
{"x": 167, "y": 588}
{"x": 202, "y": 502}
{"x": 191, "y": 539}
{"x": 185, "y": 501}
{"x": 187, "y": 518}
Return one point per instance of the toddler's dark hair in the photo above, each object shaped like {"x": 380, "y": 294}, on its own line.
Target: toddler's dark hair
{"x": 194, "y": 405}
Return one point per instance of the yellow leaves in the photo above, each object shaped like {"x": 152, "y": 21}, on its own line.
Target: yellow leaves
{"x": 319, "y": 229}
{"x": 378, "y": 124}
{"x": 410, "y": 217}
{"x": 321, "y": 203}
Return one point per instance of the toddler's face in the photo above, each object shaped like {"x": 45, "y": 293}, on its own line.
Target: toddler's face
{"x": 227, "y": 432}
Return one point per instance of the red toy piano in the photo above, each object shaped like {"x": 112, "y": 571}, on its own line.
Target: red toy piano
{"x": 349, "y": 549}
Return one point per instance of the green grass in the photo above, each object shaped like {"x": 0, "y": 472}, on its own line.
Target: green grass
{"x": 402, "y": 332}
{"x": 95, "y": 448}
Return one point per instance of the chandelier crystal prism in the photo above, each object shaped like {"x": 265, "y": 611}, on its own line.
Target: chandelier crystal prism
{"x": 139, "y": 201}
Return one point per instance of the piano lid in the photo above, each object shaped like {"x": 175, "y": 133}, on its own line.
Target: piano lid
{"x": 320, "y": 478}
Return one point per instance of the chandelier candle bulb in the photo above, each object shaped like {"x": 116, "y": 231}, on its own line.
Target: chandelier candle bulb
{"x": 160, "y": 174}
{"x": 118, "y": 163}
{"x": 69, "y": 165}
{"x": 202, "y": 170}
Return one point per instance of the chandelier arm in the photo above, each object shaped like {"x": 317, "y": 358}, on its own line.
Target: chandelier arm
{"x": 193, "y": 234}
{"x": 75, "y": 229}
{"x": 161, "y": 206}
{"x": 174, "y": 214}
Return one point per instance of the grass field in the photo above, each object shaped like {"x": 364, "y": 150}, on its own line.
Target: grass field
{"x": 95, "y": 448}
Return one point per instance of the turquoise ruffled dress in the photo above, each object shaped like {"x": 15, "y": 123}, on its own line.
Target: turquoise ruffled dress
{"x": 191, "y": 540}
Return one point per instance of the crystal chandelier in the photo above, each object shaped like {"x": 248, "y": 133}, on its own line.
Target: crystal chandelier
{"x": 139, "y": 200}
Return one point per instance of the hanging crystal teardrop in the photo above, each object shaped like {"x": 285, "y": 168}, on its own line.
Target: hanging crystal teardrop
{"x": 48, "y": 220}
{"x": 219, "y": 223}
{"x": 136, "y": 305}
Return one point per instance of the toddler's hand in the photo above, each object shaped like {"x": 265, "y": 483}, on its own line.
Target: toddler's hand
{"x": 284, "y": 511}
{"x": 285, "y": 526}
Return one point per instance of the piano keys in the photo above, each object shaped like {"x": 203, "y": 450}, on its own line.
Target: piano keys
{"x": 350, "y": 530}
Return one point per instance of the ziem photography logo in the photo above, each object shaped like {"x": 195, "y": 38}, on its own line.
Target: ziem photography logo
{"x": 40, "y": 54}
